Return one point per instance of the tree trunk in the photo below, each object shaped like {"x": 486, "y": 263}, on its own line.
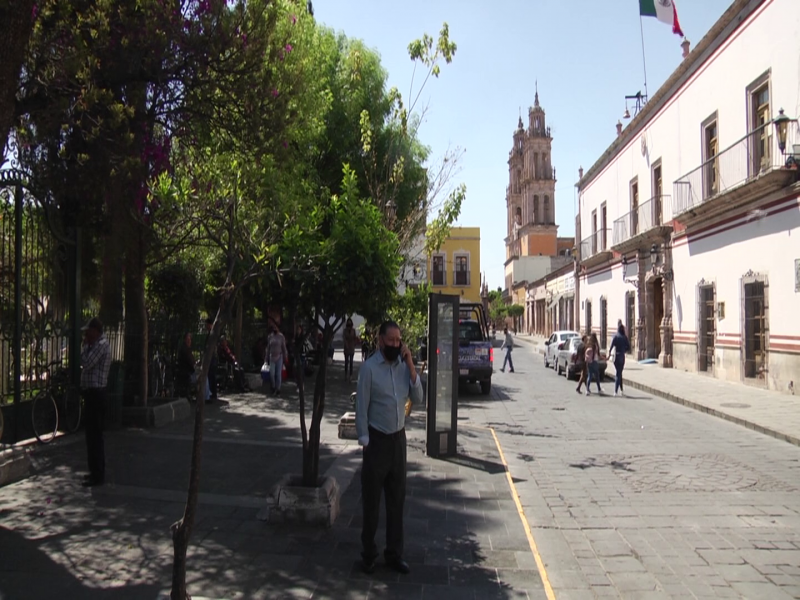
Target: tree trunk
{"x": 182, "y": 529}
{"x": 311, "y": 453}
{"x": 111, "y": 299}
{"x": 237, "y": 327}
{"x": 17, "y": 19}
{"x": 135, "y": 319}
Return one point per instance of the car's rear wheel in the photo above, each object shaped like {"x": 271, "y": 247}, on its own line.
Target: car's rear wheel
{"x": 486, "y": 387}
{"x": 545, "y": 359}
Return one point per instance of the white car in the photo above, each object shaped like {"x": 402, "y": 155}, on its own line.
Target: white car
{"x": 552, "y": 344}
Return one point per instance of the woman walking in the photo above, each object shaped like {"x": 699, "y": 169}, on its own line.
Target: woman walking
{"x": 350, "y": 340}
{"x": 580, "y": 363}
{"x": 620, "y": 346}
{"x": 592, "y": 353}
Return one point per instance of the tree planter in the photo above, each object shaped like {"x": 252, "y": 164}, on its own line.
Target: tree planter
{"x": 289, "y": 502}
{"x": 14, "y": 465}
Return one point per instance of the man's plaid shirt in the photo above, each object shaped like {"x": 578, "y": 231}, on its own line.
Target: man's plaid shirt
{"x": 95, "y": 364}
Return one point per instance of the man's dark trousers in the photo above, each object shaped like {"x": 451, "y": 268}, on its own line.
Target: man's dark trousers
{"x": 94, "y": 405}
{"x": 383, "y": 470}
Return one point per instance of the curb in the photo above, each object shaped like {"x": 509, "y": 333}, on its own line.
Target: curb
{"x": 784, "y": 437}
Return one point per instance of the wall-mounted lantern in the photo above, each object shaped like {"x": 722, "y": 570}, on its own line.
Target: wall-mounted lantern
{"x": 782, "y": 129}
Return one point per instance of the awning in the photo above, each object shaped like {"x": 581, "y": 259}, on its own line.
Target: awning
{"x": 554, "y": 300}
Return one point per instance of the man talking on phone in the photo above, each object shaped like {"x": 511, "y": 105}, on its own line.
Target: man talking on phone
{"x": 385, "y": 381}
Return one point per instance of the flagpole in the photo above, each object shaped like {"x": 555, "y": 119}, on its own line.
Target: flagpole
{"x": 644, "y": 60}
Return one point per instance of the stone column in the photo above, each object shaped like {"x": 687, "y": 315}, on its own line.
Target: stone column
{"x": 641, "y": 300}
{"x": 665, "y": 358}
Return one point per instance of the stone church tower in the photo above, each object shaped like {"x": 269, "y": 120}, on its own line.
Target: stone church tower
{"x": 530, "y": 196}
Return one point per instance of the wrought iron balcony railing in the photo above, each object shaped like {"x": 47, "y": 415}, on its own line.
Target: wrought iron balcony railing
{"x": 594, "y": 244}
{"x": 753, "y": 156}
{"x": 461, "y": 278}
{"x": 645, "y": 217}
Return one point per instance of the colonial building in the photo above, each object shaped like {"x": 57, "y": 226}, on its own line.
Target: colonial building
{"x": 691, "y": 218}
{"x": 456, "y": 267}
{"x": 533, "y": 247}
{"x": 550, "y": 302}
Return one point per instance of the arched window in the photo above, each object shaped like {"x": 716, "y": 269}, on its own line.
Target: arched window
{"x": 547, "y": 219}
{"x": 536, "y": 209}
{"x": 536, "y": 165}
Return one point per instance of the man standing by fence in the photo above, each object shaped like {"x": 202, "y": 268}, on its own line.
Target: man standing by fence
{"x": 95, "y": 364}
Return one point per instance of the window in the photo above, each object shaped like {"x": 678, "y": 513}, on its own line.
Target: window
{"x": 461, "y": 274}
{"x": 603, "y": 225}
{"x": 439, "y": 274}
{"x": 547, "y": 219}
{"x": 535, "y": 208}
{"x": 710, "y": 158}
{"x": 536, "y": 165}
{"x": 658, "y": 187}
{"x": 759, "y": 117}
{"x": 634, "y": 207}
{"x": 470, "y": 331}
{"x": 594, "y": 233}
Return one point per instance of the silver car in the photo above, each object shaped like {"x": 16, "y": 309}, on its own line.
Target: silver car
{"x": 567, "y": 359}
{"x": 552, "y": 344}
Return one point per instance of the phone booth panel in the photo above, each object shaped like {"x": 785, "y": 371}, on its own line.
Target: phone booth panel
{"x": 442, "y": 386}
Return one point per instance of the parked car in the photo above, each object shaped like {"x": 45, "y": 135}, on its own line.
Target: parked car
{"x": 551, "y": 346}
{"x": 475, "y": 352}
{"x": 566, "y": 359}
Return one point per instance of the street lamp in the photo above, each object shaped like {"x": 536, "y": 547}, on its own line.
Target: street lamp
{"x": 654, "y": 251}
{"x": 782, "y": 126}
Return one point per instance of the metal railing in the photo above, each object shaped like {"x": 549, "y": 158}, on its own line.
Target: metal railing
{"x": 461, "y": 278}
{"x": 439, "y": 277}
{"x": 594, "y": 244}
{"x": 645, "y": 217}
{"x": 754, "y": 155}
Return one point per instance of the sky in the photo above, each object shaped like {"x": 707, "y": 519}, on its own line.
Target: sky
{"x": 585, "y": 56}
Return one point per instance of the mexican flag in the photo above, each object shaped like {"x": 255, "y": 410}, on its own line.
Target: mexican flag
{"x": 664, "y": 10}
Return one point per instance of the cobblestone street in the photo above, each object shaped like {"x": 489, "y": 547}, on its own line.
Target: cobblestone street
{"x": 632, "y": 497}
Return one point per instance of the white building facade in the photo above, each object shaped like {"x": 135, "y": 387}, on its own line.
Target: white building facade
{"x": 690, "y": 220}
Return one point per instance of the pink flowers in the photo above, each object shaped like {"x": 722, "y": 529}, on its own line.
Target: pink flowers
{"x": 288, "y": 48}
{"x": 275, "y": 93}
{"x": 293, "y": 19}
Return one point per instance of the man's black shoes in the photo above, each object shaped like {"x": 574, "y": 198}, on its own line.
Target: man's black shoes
{"x": 368, "y": 566}
{"x": 399, "y": 565}
{"x": 92, "y": 481}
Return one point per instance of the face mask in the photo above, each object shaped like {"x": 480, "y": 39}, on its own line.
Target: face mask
{"x": 391, "y": 353}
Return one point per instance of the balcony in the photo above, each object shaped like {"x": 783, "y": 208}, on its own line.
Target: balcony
{"x": 748, "y": 170}
{"x": 646, "y": 225}
{"x": 439, "y": 278}
{"x": 594, "y": 249}
{"x": 461, "y": 278}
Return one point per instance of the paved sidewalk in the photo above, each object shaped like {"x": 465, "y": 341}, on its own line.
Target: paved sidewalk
{"x": 767, "y": 412}
{"x": 464, "y": 535}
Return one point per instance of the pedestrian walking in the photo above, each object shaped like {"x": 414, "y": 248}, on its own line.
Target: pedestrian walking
{"x": 385, "y": 381}
{"x": 350, "y": 341}
{"x": 278, "y": 354}
{"x": 592, "y": 364}
{"x": 580, "y": 363}
{"x": 95, "y": 364}
{"x": 620, "y": 346}
{"x": 508, "y": 344}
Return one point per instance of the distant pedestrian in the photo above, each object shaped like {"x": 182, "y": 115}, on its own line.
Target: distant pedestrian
{"x": 95, "y": 365}
{"x": 580, "y": 363}
{"x": 508, "y": 344}
{"x": 620, "y": 346}
{"x": 350, "y": 338}
{"x": 593, "y": 364}
{"x": 385, "y": 381}
{"x": 277, "y": 354}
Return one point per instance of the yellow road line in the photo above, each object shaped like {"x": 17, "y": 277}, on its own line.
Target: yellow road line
{"x": 548, "y": 589}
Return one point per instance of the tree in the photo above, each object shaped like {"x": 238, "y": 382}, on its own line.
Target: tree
{"x": 17, "y": 17}
{"x": 515, "y": 311}
{"x": 343, "y": 260}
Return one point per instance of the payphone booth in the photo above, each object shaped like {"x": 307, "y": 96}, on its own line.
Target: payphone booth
{"x": 442, "y": 388}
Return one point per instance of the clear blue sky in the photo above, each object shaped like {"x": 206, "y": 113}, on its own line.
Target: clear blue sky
{"x": 585, "y": 54}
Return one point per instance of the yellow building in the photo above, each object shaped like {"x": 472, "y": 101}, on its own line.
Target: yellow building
{"x": 456, "y": 268}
